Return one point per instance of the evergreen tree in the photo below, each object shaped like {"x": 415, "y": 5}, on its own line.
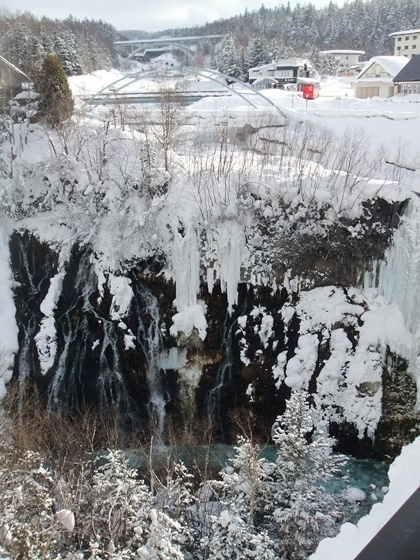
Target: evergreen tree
{"x": 238, "y": 530}
{"x": 257, "y": 53}
{"x": 304, "y": 510}
{"x": 244, "y": 486}
{"x": 228, "y": 59}
{"x": 328, "y": 65}
{"x": 55, "y": 101}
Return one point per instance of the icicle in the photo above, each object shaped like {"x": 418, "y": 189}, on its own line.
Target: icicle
{"x": 399, "y": 277}
{"x": 231, "y": 255}
{"x": 399, "y": 283}
{"x": 186, "y": 265}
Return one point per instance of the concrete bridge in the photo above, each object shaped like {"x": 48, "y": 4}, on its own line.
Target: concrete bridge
{"x": 140, "y": 47}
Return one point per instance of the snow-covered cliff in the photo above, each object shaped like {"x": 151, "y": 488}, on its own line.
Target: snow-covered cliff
{"x": 178, "y": 281}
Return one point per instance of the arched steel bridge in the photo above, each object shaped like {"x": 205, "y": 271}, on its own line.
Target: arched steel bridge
{"x": 114, "y": 92}
{"x": 138, "y": 47}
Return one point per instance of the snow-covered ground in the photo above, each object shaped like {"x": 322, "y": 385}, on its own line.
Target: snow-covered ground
{"x": 392, "y": 123}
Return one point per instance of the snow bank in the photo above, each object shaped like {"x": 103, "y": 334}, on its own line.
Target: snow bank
{"x": 88, "y": 84}
{"x": 404, "y": 476}
{"x": 122, "y": 294}
{"x": 189, "y": 318}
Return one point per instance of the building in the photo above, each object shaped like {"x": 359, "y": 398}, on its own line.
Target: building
{"x": 12, "y": 81}
{"x": 376, "y": 77}
{"x": 408, "y": 79}
{"x": 289, "y": 72}
{"x": 407, "y": 43}
{"x": 346, "y": 58}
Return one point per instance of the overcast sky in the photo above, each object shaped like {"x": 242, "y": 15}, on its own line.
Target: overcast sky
{"x": 147, "y": 15}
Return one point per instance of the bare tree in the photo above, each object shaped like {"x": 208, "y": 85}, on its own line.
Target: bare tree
{"x": 171, "y": 98}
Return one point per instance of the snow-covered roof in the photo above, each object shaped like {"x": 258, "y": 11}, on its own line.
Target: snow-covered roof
{"x": 283, "y": 62}
{"x": 341, "y": 51}
{"x": 408, "y": 32}
{"x": 391, "y": 64}
{"x": 263, "y": 66}
{"x": 14, "y": 68}
{"x": 264, "y": 79}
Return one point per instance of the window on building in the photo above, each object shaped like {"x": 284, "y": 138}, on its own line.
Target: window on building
{"x": 398, "y": 48}
{"x": 407, "y": 38}
{"x": 414, "y": 37}
{"x": 406, "y": 47}
{"x": 414, "y": 46}
{"x": 399, "y": 39}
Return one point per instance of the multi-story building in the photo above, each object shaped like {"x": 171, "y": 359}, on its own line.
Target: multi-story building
{"x": 407, "y": 43}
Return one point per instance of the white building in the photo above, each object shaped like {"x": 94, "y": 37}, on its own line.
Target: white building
{"x": 407, "y": 43}
{"x": 376, "y": 77}
{"x": 347, "y": 58}
{"x": 287, "y": 72}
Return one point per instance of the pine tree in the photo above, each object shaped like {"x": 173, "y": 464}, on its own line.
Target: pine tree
{"x": 55, "y": 101}
{"x": 228, "y": 59}
{"x": 257, "y": 53}
{"x": 304, "y": 510}
{"x": 244, "y": 484}
{"x": 236, "y": 532}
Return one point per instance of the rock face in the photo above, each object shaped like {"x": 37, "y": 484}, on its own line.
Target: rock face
{"x": 107, "y": 342}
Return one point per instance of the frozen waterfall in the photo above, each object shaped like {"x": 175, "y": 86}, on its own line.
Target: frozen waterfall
{"x": 399, "y": 284}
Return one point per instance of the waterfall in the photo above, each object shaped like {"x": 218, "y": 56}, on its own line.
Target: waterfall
{"x": 399, "y": 284}
{"x": 32, "y": 270}
{"x": 149, "y": 337}
{"x": 82, "y": 329}
{"x": 218, "y": 398}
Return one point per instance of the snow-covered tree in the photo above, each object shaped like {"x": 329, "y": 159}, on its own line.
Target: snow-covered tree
{"x": 245, "y": 482}
{"x": 234, "y": 531}
{"x": 303, "y": 509}
{"x": 228, "y": 60}
{"x": 257, "y": 52}
{"x": 113, "y": 507}
{"x": 232, "y": 538}
{"x": 28, "y": 527}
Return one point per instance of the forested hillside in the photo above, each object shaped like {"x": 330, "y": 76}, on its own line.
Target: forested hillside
{"x": 359, "y": 24}
{"x": 252, "y": 37}
{"x": 82, "y": 46}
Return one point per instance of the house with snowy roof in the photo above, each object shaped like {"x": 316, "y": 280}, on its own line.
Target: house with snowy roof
{"x": 408, "y": 79}
{"x": 376, "y": 77}
{"x": 12, "y": 80}
{"x": 407, "y": 43}
{"x": 285, "y": 72}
